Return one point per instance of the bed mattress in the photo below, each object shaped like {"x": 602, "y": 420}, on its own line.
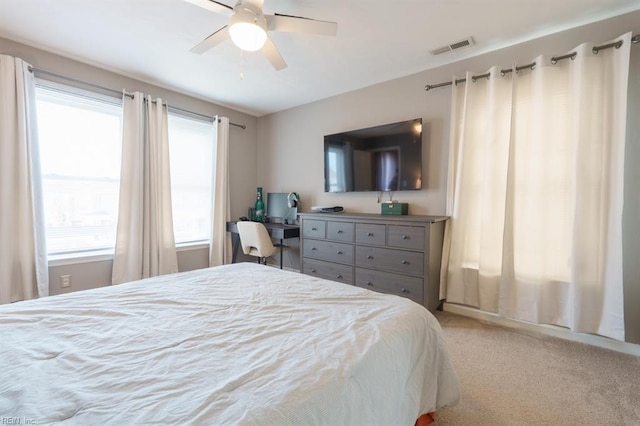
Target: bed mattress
{"x": 235, "y": 344}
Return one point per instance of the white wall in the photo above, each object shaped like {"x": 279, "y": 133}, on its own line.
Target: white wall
{"x": 290, "y": 143}
{"x": 242, "y": 154}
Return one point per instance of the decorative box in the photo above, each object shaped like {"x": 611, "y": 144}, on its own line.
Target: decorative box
{"x": 395, "y": 208}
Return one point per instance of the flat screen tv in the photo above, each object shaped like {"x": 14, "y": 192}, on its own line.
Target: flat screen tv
{"x": 381, "y": 158}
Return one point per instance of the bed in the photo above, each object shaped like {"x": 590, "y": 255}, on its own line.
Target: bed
{"x": 235, "y": 344}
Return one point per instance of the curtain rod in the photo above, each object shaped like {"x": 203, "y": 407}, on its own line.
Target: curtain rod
{"x": 186, "y": 111}
{"x": 554, "y": 60}
{"x": 118, "y": 93}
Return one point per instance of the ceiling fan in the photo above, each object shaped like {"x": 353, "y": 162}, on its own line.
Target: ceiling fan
{"x": 248, "y": 28}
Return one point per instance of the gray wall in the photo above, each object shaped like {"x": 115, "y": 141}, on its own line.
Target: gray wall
{"x": 290, "y": 143}
{"x": 93, "y": 274}
{"x": 242, "y": 155}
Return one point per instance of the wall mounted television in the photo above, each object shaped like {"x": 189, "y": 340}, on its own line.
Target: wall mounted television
{"x": 380, "y": 158}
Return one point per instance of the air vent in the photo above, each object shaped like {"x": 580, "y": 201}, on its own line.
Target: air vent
{"x": 453, "y": 46}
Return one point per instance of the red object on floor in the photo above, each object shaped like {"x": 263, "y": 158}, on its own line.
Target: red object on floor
{"x": 426, "y": 419}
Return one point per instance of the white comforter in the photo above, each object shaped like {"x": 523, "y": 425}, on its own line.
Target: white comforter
{"x": 238, "y": 344}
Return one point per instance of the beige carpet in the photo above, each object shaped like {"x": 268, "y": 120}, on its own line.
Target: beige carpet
{"x": 512, "y": 378}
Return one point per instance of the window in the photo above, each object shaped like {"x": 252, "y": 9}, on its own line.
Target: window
{"x": 80, "y": 137}
{"x": 191, "y": 157}
{"x": 80, "y": 149}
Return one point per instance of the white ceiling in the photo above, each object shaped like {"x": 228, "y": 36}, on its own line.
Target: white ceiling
{"x": 377, "y": 41}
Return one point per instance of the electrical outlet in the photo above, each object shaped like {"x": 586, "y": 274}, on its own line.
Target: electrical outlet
{"x": 65, "y": 281}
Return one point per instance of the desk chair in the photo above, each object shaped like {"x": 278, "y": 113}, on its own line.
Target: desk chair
{"x": 255, "y": 240}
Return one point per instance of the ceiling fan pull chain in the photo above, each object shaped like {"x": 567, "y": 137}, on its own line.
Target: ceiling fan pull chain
{"x": 241, "y": 64}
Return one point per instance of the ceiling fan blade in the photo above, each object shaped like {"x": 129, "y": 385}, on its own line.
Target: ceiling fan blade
{"x": 213, "y": 6}
{"x": 270, "y": 51}
{"x": 216, "y": 38}
{"x": 298, "y": 24}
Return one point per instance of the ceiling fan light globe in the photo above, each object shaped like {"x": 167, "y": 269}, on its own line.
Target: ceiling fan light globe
{"x": 247, "y": 36}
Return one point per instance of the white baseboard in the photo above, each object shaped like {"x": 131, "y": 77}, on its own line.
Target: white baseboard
{"x": 549, "y": 330}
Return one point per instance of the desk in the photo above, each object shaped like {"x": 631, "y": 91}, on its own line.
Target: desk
{"x": 279, "y": 231}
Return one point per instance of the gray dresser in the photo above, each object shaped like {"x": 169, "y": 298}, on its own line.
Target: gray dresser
{"x": 392, "y": 254}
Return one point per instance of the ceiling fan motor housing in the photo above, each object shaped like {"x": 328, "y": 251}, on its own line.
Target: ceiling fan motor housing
{"x": 248, "y": 27}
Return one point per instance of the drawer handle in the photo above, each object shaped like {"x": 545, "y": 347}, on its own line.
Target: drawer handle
{"x": 369, "y": 257}
{"x": 339, "y": 276}
{"x": 369, "y": 283}
{"x": 313, "y": 270}
{"x": 404, "y": 237}
{"x": 339, "y": 252}
{"x": 313, "y": 249}
{"x": 404, "y": 290}
{"x": 369, "y": 234}
{"x": 339, "y": 231}
{"x": 314, "y": 229}
{"x": 404, "y": 262}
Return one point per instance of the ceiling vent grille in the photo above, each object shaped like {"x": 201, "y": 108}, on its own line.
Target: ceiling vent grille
{"x": 453, "y": 46}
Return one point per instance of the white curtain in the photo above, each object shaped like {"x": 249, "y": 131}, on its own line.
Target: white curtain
{"x": 23, "y": 255}
{"x": 220, "y": 241}
{"x": 145, "y": 244}
{"x": 535, "y": 192}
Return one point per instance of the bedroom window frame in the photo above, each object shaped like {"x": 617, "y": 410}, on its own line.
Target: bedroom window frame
{"x": 83, "y": 254}
{"x": 206, "y": 169}
{"x": 86, "y": 101}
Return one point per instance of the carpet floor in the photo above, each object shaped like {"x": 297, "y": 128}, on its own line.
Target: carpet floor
{"x": 511, "y": 377}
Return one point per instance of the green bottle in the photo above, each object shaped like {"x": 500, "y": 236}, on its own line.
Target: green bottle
{"x": 259, "y": 207}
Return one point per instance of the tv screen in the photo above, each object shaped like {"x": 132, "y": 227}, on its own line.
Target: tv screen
{"x": 381, "y": 158}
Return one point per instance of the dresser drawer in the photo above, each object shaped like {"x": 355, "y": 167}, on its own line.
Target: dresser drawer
{"x": 327, "y": 250}
{"x": 340, "y": 231}
{"x": 409, "y": 237}
{"x": 370, "y": 233}
{"x": 385, "y": 282}
{"x": 406, "y": 262}
{"x": 328, "y": 270}
{"x": 313, "y": 228}
{"x": 400, "y": 255}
